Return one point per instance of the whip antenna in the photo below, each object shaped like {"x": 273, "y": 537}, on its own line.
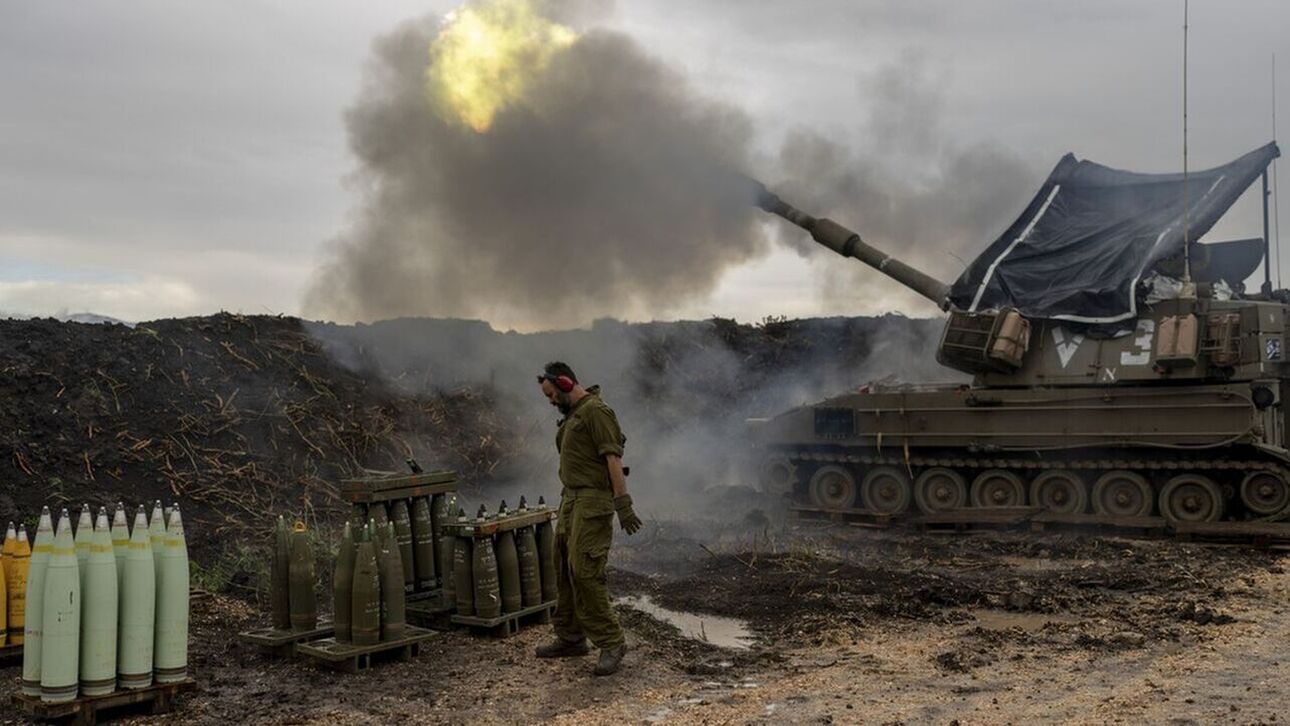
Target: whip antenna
{"x": 1186, "y": 205}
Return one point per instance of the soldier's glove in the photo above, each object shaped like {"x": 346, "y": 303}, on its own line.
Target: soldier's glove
{"x": 627, "y": 519}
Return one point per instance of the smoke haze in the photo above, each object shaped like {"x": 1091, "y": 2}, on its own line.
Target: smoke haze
{"x": 602, "y": 194}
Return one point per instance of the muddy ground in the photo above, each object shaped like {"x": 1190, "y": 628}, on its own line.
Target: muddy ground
{"x": 848, "y": 626}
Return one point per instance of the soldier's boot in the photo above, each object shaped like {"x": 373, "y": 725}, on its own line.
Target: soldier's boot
{"x": 562, "y": 648}
{"x": 610, "y": 659}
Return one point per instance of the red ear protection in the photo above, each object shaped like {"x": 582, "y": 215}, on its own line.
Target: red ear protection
{"x": 564, "y": 383}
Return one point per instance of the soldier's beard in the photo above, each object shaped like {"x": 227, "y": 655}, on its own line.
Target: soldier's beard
{"x": 563, "y": 403}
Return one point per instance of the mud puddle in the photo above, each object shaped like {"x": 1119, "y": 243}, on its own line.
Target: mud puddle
{"x": 712, "y": 629}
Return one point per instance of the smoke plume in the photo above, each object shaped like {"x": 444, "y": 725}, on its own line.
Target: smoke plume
{"x": 600, "y": 192}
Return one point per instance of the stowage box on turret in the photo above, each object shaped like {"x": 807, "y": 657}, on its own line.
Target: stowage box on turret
{"x": 1120, "y": 368}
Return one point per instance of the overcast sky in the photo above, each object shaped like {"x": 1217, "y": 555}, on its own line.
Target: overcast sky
{"x": 177, "y": 158}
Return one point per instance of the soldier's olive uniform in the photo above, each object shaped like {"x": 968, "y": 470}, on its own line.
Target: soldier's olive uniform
{"x": 585, "y": 531}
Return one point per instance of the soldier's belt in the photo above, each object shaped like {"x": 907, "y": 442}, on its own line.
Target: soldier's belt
{"x": 586, "y": 493}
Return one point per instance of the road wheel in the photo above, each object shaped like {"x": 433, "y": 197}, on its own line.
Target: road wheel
{"x": 1121, "y": 493}
{"x": 1191, "y": 498}
{"x": 1265, "y": 492}
{"x": 1059, "y": 491}
{"x": 833, "y": 487}
{"x": 998, "y": 488}
{"x": 940, "y": 490}
{"x": 886, "y": 490}
{"x": 778, "y": 475}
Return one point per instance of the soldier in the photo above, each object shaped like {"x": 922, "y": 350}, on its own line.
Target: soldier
{"x": 590, "y": 445}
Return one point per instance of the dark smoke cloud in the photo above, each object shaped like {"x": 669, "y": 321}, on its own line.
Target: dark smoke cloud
{"x": 603, "y": 195}
{"x": 903, "y": 184}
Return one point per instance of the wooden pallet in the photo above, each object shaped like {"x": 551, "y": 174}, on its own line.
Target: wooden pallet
{"x": 86, "y": 710}
{"x": 352, "y": 658}
{"x": 10, "y": 655}
{"x": 490, "y": 527}
{"x": 506, "y": 625}
{"x": 282, "y": 643}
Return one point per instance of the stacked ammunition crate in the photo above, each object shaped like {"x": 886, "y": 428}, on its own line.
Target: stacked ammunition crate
{"x": 503, "y": 571}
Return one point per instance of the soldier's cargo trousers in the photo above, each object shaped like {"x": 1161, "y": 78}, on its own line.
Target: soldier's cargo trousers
{"x": 583, "y": 535}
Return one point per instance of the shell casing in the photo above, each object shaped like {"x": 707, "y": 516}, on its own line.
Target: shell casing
{"x": 423, "y": 552}
{"x": 157, "y": 535}
{"x": 34, "y": 612}
{"x": 170, "y": 650}
{"x": 488, "y": 596}
{"x": 120, "y": 544}
{"x": 378, "y": 513}
{"x": 530, "y": 570}
{"x": 60, "y": 639}
{"x": 401, "y": 518}
{"x": 6, "y": 564}
{"x": 343, "y": 585}
{"x": 16, "y": 574}
{"x": 508, "y": 571}
{"x": 301, "y": 576}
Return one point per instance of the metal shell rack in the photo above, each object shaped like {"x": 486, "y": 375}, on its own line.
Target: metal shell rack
{"x": 282, "y": 643}
{"x": 505, "y": 624}
{"x": 392, "y": 487}
{"x": 354, "y": 658}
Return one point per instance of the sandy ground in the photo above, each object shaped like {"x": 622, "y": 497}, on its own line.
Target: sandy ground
{"x": 850, "y": 627}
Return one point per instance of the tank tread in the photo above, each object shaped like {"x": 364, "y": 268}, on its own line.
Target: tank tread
{"x": 1008, "y": 463}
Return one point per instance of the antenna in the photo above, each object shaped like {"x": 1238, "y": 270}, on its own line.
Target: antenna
{"x": 1186, "y": 206}
{"x": 1276, "y": 200}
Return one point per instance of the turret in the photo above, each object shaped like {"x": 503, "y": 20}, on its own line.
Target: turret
{"x": 848, "y": 244}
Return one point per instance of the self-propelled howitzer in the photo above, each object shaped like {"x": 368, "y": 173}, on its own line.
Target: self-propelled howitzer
{"x": 1147, "y": 401}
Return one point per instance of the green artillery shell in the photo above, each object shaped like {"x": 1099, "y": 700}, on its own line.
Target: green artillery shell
{"x": 302, "y": 599}
{"x": 488, "y": 596}
{"x": 439, "y": 516}
{"x": 365, "y": 603}
{"x": 343, "y": 585}
{"x": 546, "y": 558}
{"x": 120, "y": 543}
{"x": 393, "y": 604}
{"x": 530, "y": 571}
{"x": 463, "y": 579}
{"x": 377, "y": 512}
{"x": 360, "y": 516}
{"x": 60, "y": 640}
{"x": 423, "y": 543}
{"x": 82, "y": 537}
{"x": 98, "y": 613}
{"x": 170, "y": 660}
{"x": 136, "y": 629}
{"x": 35, "y": 611}
{"x": 401, "y": 518}
{"x": 508, "y": 571}
{"x": 279, "y": 587}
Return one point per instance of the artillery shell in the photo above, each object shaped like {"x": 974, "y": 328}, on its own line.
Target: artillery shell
{"x": 61, "y": 628}
{"x": 462, "y": 575}
{"x": 393, "y": 603}
{"x": 34, "y": 615}
{"x": 508, "y": 570}
{"x": 365, "y": 602}
{"x": 343, "y": 585}
{"x": 83, "y": 537}
{"x": 530, "y": 570}
{"x": 302, "y": 599}
{"x": 136, "y": 621}
{"x": 120, "y": 543}
{"x": 423, "y": 543}
{"x": 99, "y": 613}
{"x": 170, "y": 658}
{"x": 488, "y": 597}
{"x": 401, "y": 518}
{"x": 17, "y": 574}
{"x": 377, "y": 512}
{"x": 546, "y": 559}
{"x": 279, "y": 577}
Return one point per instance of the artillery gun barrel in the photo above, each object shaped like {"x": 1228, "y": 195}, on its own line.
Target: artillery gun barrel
{"x": 848, "y": 244}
